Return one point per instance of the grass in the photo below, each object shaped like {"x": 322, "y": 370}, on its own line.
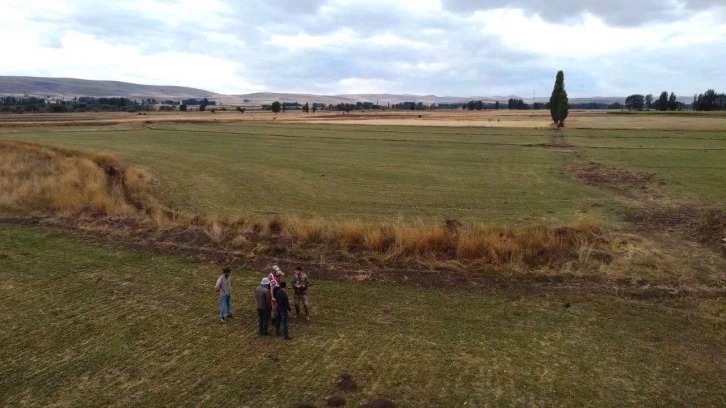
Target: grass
{"x": 84, "y": 325}
{"x": 346, "y": 172}
{"x": 347, "y": 222}
{"x": 60, "y": 181}
{"x": 690, "y": 163}
{"x": 378, "y": 173}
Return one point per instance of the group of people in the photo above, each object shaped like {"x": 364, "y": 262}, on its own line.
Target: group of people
{"x": 272, "y": 301}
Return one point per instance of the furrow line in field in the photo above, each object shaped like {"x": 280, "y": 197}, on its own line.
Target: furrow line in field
{"x": 351, "y": 138}
{"x": 434, "y": 142}
{"x": 332, "y": 128}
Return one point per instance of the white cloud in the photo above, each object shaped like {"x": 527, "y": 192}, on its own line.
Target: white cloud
{"x": 443, "y": 47}
{"x": 83, "y": 56}
{"x": 392, "y": 40}
{"x": 222, "y": 38}
{"x": 345, "y": 38}
{"x": 362, "y": 85}
{"x": 591, "y": 37}
{"x": 305, "y": 41}
{"x": 206, "y": 13}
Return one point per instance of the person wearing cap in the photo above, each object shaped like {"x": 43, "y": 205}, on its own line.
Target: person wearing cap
{"x": 224, "y": 288}
{"x": 300, "y": 284}
{"x": 264, "y": 305}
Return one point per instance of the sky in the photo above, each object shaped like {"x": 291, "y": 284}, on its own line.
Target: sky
{"x": 422, "y": 47}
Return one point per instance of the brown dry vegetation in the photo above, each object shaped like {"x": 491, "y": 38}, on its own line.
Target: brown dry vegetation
{"x": 39, "y": 178}
{"x": 50, "y": 180}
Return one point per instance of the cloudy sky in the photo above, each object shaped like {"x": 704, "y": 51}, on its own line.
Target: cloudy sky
{"x": 441, "y": 47}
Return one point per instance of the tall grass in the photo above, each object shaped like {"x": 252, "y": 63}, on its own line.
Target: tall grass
{"x": 35, "y": 178}
{"x": 40, "y": 178}
{"x": 420, "y": 243}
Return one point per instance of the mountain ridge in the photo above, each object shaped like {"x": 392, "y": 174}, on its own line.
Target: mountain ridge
{"x": 67, "y": 88}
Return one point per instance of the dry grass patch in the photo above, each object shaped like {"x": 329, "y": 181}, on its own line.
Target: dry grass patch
{"x": 441, "y": 247}
{"x": 41, "y": 178}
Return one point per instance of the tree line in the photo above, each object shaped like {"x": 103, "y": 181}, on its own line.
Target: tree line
{"x": 13, "y": 104}
{"x": 638, "y": 102}
{"x": 709, "y": 101}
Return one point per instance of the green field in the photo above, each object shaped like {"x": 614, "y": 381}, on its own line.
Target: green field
{"x": 88, "y": 325}
{"x": 386, "y": 173}
{"x": 84, "y": 325}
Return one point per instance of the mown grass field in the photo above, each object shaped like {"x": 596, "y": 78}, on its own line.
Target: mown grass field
{"x": 385, "y": 173}
{"x": 84, "y": 325}
{"x": 88, "y": 325}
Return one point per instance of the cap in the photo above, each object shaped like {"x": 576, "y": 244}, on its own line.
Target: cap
{"x": 265, "y": 281}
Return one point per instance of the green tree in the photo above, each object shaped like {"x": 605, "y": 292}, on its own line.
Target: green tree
{"x": 635, "y": 102}
{"x": 183, "y": 107}
{"x": 672, "y": 102}
{"x": 649, "y": 101}
{"x": 559, "y": 107}
{"x": 276, "y": 106}
{"x": 662, "y": 103}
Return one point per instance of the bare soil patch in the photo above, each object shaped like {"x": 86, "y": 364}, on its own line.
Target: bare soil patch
{"x": 347, "y": 383}
{"x": 379, "y": 403}
{"x": 336, "y": 401}
{"x": 629, "y": 184}
{"x": 705, "y": 226}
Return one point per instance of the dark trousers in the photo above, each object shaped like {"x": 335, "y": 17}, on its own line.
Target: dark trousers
{"x": 264, "y": 318}
{"x": 282, "y": 318}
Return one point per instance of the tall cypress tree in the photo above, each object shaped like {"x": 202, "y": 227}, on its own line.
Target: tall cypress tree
{"x": 563, "y": 109}
{"x": 558, "y": 101}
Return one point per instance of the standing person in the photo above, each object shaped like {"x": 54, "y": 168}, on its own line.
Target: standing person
{"x": 283, "y": 311}
{"x": 274, "y": 276}
{"x": 301, "y": 283}
{"x": 224, "y": 288}
{"x": 264, "y": 305}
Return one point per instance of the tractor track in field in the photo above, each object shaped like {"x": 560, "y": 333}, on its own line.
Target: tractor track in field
{"x": 649, "y": 212}
{"x": 512, "y": 285}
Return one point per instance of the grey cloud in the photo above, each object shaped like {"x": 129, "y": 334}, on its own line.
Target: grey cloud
{"x": 616, "y": 12}
{"x": 478, "y": 64}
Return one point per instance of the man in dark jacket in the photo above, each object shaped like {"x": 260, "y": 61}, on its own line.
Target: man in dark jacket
{"x": 264, "y": 305}
{"x": 283, "y": 311}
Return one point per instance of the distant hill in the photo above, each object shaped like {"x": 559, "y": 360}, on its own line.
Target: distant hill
{"x": 69, "y": 87}
{"x": 58, "y": 88}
